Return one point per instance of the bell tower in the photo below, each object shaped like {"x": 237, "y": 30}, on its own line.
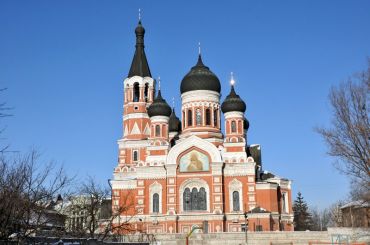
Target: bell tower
{"x": 138, "y": 95}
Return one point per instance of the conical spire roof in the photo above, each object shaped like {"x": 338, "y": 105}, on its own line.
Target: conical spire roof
{"x": 139, "y": 65}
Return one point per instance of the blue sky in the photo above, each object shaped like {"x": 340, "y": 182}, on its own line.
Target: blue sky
{"x": 64, "y": 62}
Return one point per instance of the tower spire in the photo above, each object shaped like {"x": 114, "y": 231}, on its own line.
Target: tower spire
{"x": 139, "y": 65}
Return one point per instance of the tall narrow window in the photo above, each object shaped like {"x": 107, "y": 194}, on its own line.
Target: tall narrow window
{"x": 215, "y": 118}
{"x": 208, "y": 117}
{"x": 236, "y": 203}
{"x": 183, "y": 119}
{"x": 202, "y": 199}
{"x": 198, "y": 117}
{"x": 135, "y": 157}
{"x": 155, "y": 203}
{"x": 136, "y": 92}
{"x": 157, "y": 130}
{"x": 233, "y": 127}
{"x": 194, "y": 199}
{"x": 187, "y": 199}
{"x": 190, "y": 118}
{"x": 146, "y": 92}
{"x": 284, "y": 208}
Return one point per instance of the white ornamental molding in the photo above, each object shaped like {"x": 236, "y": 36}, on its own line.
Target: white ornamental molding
{"x": 200, "y": 95}
{"x": 236, "y": 185}
{"x": 239, "y": 169}
{"x": 155, "y": 188}
{"x": 159, "y": 119}
{"x": 124, "y": 184}
{"x": 122, "y": 143}
{"x": 135, "y": 115}
{"x": 129, "y": 82}
{"x": 234, "y": 114}
{"x": 193, "y": 141}
{"x": 266, "y": 186}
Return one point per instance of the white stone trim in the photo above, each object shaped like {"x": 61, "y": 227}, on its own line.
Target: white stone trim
{"x": 266, "y": 186}
{"x": 135, "y": 115}
{"x": 159, "y": 119}
{"x": 155, "y": 188}
{"x": 124, "y": 184}
{"x": 239, "y": 169}
{"x": 193, "y": 141}
{"x": 200, "y": 95}
{"x": 236, "y": 185}
{"x": 233, "y": 114}
{"x": 129, "y": 82}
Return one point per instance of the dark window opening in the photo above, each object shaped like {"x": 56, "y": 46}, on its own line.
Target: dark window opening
{"x": 236, "y": 203}
{"x": 146, "y": 92}
{"x": 136, "y": 92}
{"x": 215, "y": 118}
{"x": 208, "y": 117}
{"x": 155, "y": 203}
{"x": 157, "y": 130}
{"x": 190, "y": 118}
{"x": 136, "y": 156}
{"x": 233, "y": 126}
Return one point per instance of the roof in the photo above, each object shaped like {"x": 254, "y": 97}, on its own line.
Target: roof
{"x": 139, "y": 65}
{"x": 233, "y": 102}
{"x": 356, "y": 204}
{"x": 200, "y": 77}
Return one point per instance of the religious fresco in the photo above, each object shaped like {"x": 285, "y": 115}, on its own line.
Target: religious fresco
{"x": 194, "y": 161}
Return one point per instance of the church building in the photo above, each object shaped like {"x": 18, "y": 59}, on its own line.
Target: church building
{"x": 176, "y": 173}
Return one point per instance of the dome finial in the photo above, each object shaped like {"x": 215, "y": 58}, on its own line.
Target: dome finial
{"x": 139, "y": 15}
{"x": 159, "y": 83}
{"x": 232, "y": 81}
{"x": 173, "y": 102}
{"x": 199, "y": 49}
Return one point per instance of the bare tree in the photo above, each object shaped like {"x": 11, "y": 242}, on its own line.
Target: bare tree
{"x": 4, "y": 112}
{"x": 27, "y": 189}
{"x": 90, "y": 212}
{"x": 349, "y": 137}
{"x": 320, "y": 219}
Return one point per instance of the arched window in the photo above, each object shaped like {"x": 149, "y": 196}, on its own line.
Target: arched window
{"x": 215, "y": 118}
{"x": 233, "y": 127}
{"x": 157, "y": 130}
{"x": 202, "y": 199}
{"x": 194, "y": 200}
{"x": 208, "y": 117}
{"x": 190, "y": 118}
{"x": 155, "y": 203}
{"x": 198, "y": 117}
{"x": 146, "y": 92}
{"x": 187, "y": 199}
{"x": 236, "y": 203}
{"x": 135, "y": 157}
{"x": 136, "y": 92}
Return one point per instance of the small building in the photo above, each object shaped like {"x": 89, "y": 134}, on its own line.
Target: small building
{"x": 356, "y": 214}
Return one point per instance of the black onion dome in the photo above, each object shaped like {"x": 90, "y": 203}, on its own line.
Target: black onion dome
{"x": 159, "y": 107}
{"x": 233, "y": 102}
{"x": 174, "y": 124}
{"x": 200, "y": 77}
{"x": 246, "y": 124}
